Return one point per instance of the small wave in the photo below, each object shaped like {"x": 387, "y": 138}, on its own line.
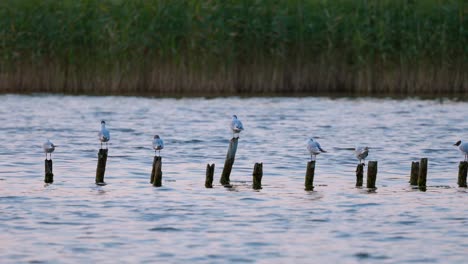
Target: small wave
{"x": 125, "y": 130}
{"x": 60, "y": 223}
{"x": 407, "y": 222}
{"x": 164, "y": 229}
{"x": 319, "y": 220}
{"x": 440, "y": 186}
{"x": 257, "y": 244}
{"x": 251, "y": 199}
{"x": 366, "y": 255}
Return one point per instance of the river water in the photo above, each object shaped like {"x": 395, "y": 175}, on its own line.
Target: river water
{"x": 129, "y": 221}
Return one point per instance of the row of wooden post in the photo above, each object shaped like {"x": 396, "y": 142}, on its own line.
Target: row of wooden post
{"x": 418, "y": 175}
{"x": 100, "y": 170}
{"x": 228, "y": 163}
{"x": 371, "y": 174}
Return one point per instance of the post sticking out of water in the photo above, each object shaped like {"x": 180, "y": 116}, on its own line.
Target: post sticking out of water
{"x": 156, "y": 173}
{"x": 49, "y": 176}
{"x": 462, "y": 172}
{"x": 153, "y": 171}
{"x": 359, "y": 175}
{"x": 231, "y": 155}
{"x": 209, "y": 175}
{"x": 309, "y": 178}
{"x": 422, "y": 174}
{"x": 414, "y": 173}
{"x": 101, "y": 166}
{"x": 257, "y": 176}
{"x": 371, "y": 174}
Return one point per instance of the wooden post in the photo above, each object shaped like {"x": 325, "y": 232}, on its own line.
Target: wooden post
{"x": 231, "y": 155}
{"x": 49, "y": 176}
{"x": 359, "y": 175}
{"x": 209, "y": 175}
{"x": 462, "y": 171}
{"x": 414, "y": 173}
{"x": 257, "y": 176}
{"x": 422, "y": 174}
{"x": 309, "y": 178}
{"x": 153, "y": 169}
{"x": 101, "y": 166}
{"x": 371, "y": 174}
{"x": 156, "y": 174}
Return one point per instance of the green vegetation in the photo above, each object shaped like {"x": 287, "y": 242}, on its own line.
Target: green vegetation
{"x": 234, "y": 46}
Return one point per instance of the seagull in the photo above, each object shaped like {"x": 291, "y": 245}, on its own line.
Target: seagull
{"x": 104, "y": 135}
{"x": 48, "y": 147}
{"x": 361, "y": 153}
{"x": 463, "y": 147}
{"x": 158, "y": 144}
{"x": 314, "y": 148}
{"x": 236, "y": 126}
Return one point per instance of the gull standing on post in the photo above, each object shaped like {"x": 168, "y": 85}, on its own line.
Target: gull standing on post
{"x": 104, "y": 135}
{"x": 48, "y": 147}
{"x": 361, "y": 154}
{"x": 158, "y": 144}
{"x": 236, "y": 126}
{"x": 314, "y": 148}
{"x": 463, "y": 147}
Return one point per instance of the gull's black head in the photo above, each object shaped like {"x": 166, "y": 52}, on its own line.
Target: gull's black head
{"x": 103, "y": 122}
{"x": 458, "y": 143}
{"x": 156, "y": 136}
{"x": 234, "y": 116}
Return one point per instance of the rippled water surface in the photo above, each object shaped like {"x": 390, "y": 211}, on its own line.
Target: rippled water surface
{"x": 129, "y": 221}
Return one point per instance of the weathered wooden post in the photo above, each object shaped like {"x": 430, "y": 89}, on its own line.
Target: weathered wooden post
{"x": 309, "y": 178}
{"x": 462, "y": 171}
{"x": 371, "y": 174}
{"x": 49, "y": 176}
{"x": 156, "y": 173}
{"x": 101, "y": 166}
{"x": 153, "y": 168}
{"x": 209, "y": 175}
{"x": 257, "y": 176}
{"x": 231, "y": 155}
{"x": 422, "y": 174}
{"x": 414, "y": 173}
{"x": 359, "y": 175}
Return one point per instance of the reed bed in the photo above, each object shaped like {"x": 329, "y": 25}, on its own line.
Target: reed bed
{"x": 223, "y": 47}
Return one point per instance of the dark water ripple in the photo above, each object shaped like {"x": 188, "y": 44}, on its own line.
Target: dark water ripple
{"x": 128, "y": 221}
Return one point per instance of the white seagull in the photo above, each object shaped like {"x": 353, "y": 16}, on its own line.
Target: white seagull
{"x": 158, "y": 144}
{"x": 463, "y": 147}
{"x": 48, "y": 147}
{"x": 314, "y": 148}
{"x": 236, "y": 126}
{"x": 104, "y": 135}
{"x": 361, "y": 153}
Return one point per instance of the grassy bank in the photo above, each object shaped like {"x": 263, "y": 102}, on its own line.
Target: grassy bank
{"x": 234, "y": 46}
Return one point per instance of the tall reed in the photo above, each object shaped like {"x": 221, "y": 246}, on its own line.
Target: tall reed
{"x": 215, "y": 47}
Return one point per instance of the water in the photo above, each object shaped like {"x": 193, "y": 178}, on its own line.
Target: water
{"x": 129, "y": 221}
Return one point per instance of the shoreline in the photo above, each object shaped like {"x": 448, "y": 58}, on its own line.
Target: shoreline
{"x": 157, "y": 79}
{"x": 452, "y": 97}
